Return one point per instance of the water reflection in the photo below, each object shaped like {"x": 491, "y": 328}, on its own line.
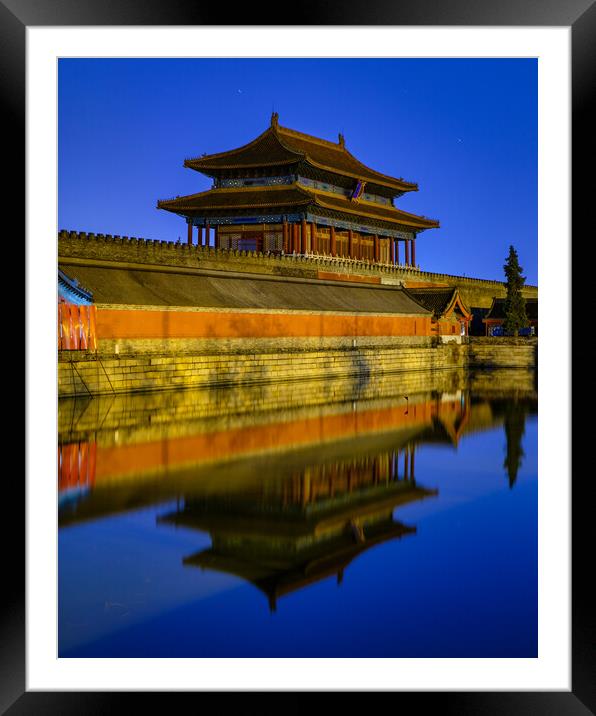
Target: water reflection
{"x": 288, "y": 533}
{"x": 515, "y": 423}
{"x": 284, "y": 486}
{"x": 115, "y": 453}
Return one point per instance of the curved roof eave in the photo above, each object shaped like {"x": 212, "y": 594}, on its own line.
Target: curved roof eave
{"x": 457, "y": 302}
{"x": 403, "y": 218}
{"x": 269, "y": 131}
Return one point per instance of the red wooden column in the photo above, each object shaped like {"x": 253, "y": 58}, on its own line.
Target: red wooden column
{"x": 295, "y": 239}
{"x": 332, "y": 241}
{"x": 392, "y": 245}
{"x": 303, "y": 236}
{"x": 407, "y": 243}
{"x": 377, "y": 255}
{"x": 313, "y": 238}
{"x": 199, "y": 236}
{"x": 396, "y": 251}
{"x": 413, "y": 252}
{"x": 207, "y": 236}
{"x": 285, "y": 237}
{"x": 216, "y": 236}
{"x": 189, "y": 239}
{"x": 351, "y": 243}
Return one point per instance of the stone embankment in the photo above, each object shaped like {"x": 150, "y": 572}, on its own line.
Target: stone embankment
{"x": 92, "y": 374}
{"x": 502, "y": 352}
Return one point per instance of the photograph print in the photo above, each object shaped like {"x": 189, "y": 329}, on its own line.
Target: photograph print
{"x": 297, "y": 358}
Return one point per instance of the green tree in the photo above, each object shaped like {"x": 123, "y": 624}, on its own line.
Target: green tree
{"x": 515, "y": 303}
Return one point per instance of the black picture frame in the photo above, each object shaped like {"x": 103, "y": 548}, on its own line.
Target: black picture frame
{"x": 580, "y": 15}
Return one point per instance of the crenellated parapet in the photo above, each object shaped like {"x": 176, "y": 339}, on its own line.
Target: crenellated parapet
{"x": 122, "y": 248}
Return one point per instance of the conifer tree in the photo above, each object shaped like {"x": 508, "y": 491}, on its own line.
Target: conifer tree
{"x": 515, "y": 303}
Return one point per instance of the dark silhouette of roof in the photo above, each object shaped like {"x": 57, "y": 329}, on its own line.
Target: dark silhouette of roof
{"x": 497, "y": 309}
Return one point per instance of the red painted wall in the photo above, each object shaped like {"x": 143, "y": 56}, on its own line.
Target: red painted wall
{"x": 130, "y": 323}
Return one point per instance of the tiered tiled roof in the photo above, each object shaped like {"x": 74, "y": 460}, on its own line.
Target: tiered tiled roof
{"x": 280, "y": 146}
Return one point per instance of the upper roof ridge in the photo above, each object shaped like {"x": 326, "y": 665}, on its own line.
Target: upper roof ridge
{"x": 340, "y": 146}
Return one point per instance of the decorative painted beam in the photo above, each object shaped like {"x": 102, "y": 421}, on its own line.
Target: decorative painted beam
{"x": 236, "y": 220}
{"x": 361, "y": 228}
{"x": 309, "y": 216}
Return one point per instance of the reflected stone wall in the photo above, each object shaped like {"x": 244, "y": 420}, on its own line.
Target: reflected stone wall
{"x": 148, "y": 416}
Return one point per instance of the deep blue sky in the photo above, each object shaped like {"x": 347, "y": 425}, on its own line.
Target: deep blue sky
{"x": 464, "y": 129}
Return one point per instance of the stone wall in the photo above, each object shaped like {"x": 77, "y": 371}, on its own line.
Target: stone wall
{"x": 84, "y": 374}
{"x": 90, "y": 374}
{"x": 131, "y": 250}
{"x": 502, "y": 353}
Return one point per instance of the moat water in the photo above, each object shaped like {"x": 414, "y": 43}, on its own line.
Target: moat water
{"x": 392, "y": 519}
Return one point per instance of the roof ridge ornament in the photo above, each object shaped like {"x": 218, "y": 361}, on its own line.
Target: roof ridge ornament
{"x": 275, "y": 120}
{"x": 341, "y": 140}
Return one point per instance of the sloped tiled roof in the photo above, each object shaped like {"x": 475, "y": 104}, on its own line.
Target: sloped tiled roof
{"x": 438, "y": 300}
{"x": 289, "y": 196}
{"x": 497, "y": 310}
{"x": 377, "y": 211}
{"x": 282, "y": 146}
{"x": 243, "y": 198}
{"x": 71, "y": 291}
{"x": 221, "y": 289}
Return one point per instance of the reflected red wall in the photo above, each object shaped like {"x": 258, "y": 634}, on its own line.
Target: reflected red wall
{"x": 76, "y": 465}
